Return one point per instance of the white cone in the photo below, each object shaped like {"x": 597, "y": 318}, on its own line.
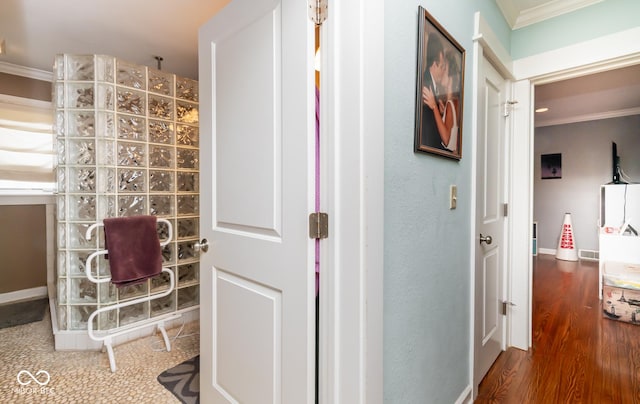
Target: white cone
{"x": 567, "y": 244}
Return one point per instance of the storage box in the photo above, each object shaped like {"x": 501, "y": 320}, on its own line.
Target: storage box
{"x": 621, "y": 275}
{"x": 621, "y": 304}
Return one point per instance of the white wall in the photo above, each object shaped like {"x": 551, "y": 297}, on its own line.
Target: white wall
{"x": 586, "y": 164}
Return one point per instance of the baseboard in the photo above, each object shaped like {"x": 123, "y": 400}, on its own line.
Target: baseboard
{"x": 587, "y": 255}
{"x": 24, "y": 294}
{"x": 466, "y": 396}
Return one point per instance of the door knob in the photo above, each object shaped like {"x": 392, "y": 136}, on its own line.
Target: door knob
{"x": 203, "y": 245}
{"x": 485, "y": 239}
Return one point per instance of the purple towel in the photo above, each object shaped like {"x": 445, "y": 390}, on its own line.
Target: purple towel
{"x": 134, "y": 249}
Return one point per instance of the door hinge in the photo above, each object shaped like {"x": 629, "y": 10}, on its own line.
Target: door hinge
{"x": 504, "y": 307}
{"x": 508, "y": 107}
{"x": 317, "y": 11}
{"x": 505, "y": 209}
{"x": 318, "y": 225}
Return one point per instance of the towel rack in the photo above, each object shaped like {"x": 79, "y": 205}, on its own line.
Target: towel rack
{"x": 107, "y": 339}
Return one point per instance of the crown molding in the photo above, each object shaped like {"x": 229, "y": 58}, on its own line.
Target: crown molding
{"x": 528, "y": 16}
{"x": 28, "y": 72}
{"x": 588, "y": 117}
{"x": 509, "y": 11}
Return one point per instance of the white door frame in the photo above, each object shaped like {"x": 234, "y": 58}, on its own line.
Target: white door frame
{"x": 600, "y": 54}
{"x": 352, "y": 193}
{"x": 487, "y": 46}
{"x": 489, "y": 78}
{"x": 352, "y": 189}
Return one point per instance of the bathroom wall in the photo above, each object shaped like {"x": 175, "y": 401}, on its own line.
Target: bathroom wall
{"x": 23, "y": 254}
{"x": 24, "y": 87}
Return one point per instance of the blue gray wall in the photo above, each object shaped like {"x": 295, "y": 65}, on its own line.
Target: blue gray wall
{"x": 600, "y": 19}
{"x": 427, "y": 287}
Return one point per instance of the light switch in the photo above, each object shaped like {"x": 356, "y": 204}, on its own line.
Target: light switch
{"x": 453, "y": 197}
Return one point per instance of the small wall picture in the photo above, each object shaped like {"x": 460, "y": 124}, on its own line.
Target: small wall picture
{"x": 439, "y": 90}
{"x": 551, "y": 166}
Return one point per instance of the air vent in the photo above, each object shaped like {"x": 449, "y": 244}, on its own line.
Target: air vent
{"x": 588, "y": 255}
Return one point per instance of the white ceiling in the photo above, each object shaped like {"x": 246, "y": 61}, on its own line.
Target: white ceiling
{"x": 609, "y": 94}
{"x": 35, "y": 31}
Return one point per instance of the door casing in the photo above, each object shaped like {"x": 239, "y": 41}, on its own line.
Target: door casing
{"x": 605, "y": 53}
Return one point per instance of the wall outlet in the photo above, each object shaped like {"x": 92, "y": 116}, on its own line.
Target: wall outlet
{"x": 453, "y": 197}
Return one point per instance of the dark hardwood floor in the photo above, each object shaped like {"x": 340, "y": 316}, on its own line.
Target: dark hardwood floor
{"x": 577, "y": 355}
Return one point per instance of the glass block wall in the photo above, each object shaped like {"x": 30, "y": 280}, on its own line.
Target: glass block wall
{"x": 127, "y": 140}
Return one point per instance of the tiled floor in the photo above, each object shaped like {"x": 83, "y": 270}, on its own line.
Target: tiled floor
{"x": 85, "y": 377}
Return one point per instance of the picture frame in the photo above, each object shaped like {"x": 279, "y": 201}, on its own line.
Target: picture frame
{"x": 551, "y": 166}
{"x": 439, "y": 90}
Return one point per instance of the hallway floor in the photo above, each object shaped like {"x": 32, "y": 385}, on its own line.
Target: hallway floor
{"x": 85, "y": 377}
{"x": 578, "y": 356}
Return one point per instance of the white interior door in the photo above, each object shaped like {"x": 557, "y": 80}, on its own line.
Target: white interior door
{"x": 489, "y": 335}
{"x": 256, "y": 129}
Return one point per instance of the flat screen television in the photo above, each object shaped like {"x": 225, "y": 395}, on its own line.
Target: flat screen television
{"x": 615, "y": 160}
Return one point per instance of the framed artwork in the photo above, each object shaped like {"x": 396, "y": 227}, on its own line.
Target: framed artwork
{"x": 551, "y": 166}
{"x": 439, "y": 90}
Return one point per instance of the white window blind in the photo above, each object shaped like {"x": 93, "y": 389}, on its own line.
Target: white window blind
{"x": 27, "y": 154}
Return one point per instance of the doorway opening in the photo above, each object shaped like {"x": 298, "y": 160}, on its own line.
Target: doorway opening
{"x": 521, "y": 286}
{"x": 579, "y": 119}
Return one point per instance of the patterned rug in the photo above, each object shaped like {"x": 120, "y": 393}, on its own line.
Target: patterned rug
{"x": 12, "y": 314}
{"x": 183, "y": 380}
